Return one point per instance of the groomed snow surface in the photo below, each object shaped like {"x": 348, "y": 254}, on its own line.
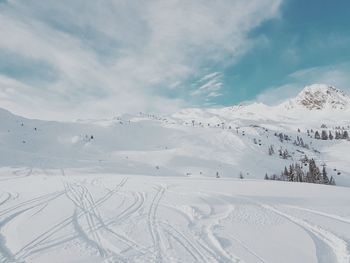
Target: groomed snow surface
{"x": 71, "y": 216}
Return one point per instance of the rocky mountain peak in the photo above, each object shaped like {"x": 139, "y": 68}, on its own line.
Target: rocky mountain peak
{"x": 319, "y": 97}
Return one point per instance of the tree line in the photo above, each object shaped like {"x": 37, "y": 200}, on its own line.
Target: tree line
{"x": 296, "y": 173}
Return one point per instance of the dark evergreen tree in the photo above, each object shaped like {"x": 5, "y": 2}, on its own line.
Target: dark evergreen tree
{"x": 337, "y": 135}
{"x": 285, "y": 174}
{"x": 299, "y": 173}
{"x": 314, "y": 174}
{"x": 291, "y": 173}
{"x": 325, "y": 179}
{"x": 330, "y": 136}
{"x": 281, "y": 137}
{"x": 324, "y": 135}
{"x": 317, "y": 135}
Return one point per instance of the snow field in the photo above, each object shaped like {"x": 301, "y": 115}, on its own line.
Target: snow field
{"x": 68, "y": 216}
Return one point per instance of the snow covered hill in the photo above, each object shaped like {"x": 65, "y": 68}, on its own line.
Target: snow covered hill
{"x": 150, "y": 188}
{"x": 192, "y": 142}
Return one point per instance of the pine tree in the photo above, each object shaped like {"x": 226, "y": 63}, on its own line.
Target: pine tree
{"x": 299, "y": 173}
{"x": 291, "y": 173}
{"x": 310, "y": 173}
{"x": 266, "y": 177}
{"x": 317, "y": 135}
{"x": 285, "y": 174}
{"x": 280, "y": 137}
{"x": 330, "y": 136}
{"x": 337, "y": 135}
{"x": 314, "y": 172}
{"x": 324, "y": 135}
{"x": 325, "y": 179}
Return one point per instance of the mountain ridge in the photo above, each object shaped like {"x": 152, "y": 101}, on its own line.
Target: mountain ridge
{"x": 319, "y": 97}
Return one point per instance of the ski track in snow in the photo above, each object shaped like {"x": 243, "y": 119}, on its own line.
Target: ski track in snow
{"x": 331, "y": 216}
{"x": 34, "y": 245}
{"x": 153, "y": 224}
{"x": 214, "y": 220}
{"x": 13, "y": 212}
{"x": 103, "y": 221}
{"x": 338, "y": 245}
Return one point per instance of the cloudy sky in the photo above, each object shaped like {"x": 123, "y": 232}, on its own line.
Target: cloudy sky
{"x": 70, "y": 59}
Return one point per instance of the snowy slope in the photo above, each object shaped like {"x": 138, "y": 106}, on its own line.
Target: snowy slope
{"x": 142, "y": 188}
{"x": 192, "y": 142}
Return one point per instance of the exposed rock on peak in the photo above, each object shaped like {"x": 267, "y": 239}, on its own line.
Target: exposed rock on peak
{"x": 319, "y": 97}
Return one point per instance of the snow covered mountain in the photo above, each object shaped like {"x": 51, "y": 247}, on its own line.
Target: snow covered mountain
{"x": 314, "y": 104}
{"x": 320, "y": 97}
{"x": 192, "y": 142}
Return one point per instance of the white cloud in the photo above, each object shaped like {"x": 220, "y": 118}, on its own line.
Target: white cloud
{"x": 120, "y": 55}
{"x": 276, "y": 95}
{"x": 209, "y": 85}
{"x": 336, "y": 75}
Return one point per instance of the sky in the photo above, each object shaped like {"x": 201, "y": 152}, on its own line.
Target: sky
{"x": 91, "y": 59}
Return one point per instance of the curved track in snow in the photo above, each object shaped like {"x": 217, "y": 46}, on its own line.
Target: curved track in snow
{"x": 153, "y": 219}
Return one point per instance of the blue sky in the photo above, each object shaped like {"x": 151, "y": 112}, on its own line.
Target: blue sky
{"x": 70, "y": 59}
{"x": 310, "y": 36}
